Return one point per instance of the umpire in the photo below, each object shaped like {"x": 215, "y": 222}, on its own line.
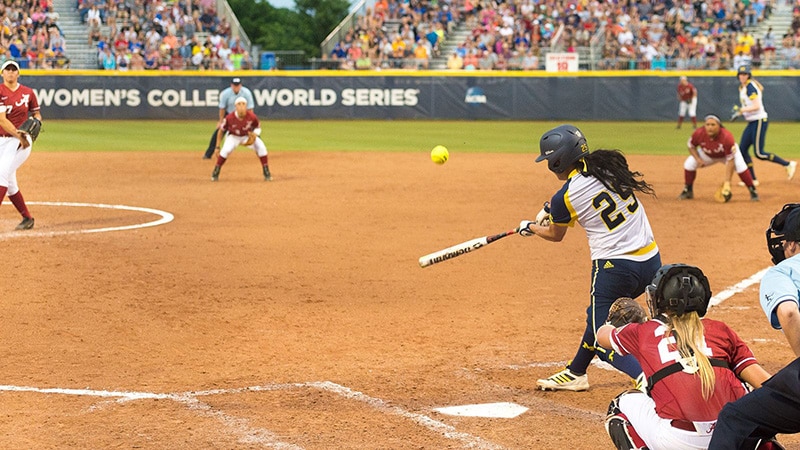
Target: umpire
{"x": 227, "y": 105}
{"x": 774, "y": 408}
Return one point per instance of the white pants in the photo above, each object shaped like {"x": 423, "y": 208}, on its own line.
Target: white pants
{"x": 690, "y": 107}
{"x": 738, "y": 161}
{"x": 231, "y": 142}
{"x": 656, "y": 432}
{"x": 11, "y": 157}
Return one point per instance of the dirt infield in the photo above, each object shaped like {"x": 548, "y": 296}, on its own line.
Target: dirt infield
{"x": 293, "y": 314}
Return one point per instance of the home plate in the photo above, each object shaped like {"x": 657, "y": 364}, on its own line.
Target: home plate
{"x": 493, "y": 410}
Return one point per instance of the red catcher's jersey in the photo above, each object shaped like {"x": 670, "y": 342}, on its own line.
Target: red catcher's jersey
{"x": 722, "y": 146}
{"x": 240, "y": 127}
{"x": 686, "y": 91}
{"x": 17, "y": 104}
{"x": 679, "y": 396}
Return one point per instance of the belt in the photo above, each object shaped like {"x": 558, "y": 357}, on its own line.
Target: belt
{"x": 683, "y": 425}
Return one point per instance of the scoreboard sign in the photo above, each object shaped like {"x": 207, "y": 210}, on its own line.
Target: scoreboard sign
{"x": 561, "y": 62}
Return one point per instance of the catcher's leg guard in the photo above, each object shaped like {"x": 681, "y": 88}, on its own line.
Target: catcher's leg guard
{"x": 620, "y": 430}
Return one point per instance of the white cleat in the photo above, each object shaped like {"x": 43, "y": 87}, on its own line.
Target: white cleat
{"x": 564, "y": 381}
{"x": 790, "y": 169}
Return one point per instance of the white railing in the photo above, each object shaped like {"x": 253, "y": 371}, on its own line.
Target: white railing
{"x": 224, "y": 10}
{"x": 359, "y": 8}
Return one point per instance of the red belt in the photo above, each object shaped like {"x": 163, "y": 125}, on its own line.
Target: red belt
{"x": 683, "y": 425}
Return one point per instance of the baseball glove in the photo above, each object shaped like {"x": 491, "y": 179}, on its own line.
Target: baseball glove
{"x": 251, "y": 138}
{"x": 32, "y": 126}
{"x": 723, "y": 194}
{"x": 625, "y": 310}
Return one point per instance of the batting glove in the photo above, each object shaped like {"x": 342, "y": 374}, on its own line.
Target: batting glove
{"x": 525, "y": 228}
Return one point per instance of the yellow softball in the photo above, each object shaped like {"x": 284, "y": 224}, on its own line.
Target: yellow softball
{"x": 439, "y": 154}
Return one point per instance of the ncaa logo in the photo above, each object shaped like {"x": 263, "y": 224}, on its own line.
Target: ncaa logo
{"x": 475, "y": 96}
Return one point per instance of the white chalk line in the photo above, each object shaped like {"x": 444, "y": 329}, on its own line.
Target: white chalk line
{"x": 737, "y": 288}
{"x": 261, "y": 436}
{"x": 165, "y": 217}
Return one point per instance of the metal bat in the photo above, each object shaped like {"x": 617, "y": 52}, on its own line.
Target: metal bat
{"x": 462, "y": 248}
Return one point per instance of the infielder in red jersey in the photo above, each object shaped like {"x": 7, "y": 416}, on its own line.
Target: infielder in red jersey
{"x": 242, "y": 128}
{"x": 694, "y": 366}
{"x": 17, "y": 102}
{"x": 713, "y": 144}
{"x": 687, "y": 102}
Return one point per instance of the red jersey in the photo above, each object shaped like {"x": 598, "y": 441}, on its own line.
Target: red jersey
{"x": 17, "y": 104}
{"x": 686, "y": 91}
{"x": 679, "y": 396}
{"x": 240, "y": 127}
{"x": 721, "y": 146}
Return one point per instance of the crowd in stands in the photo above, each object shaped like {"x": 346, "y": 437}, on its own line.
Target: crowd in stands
{"x": 29, "y": 34}
{"x": 154, "y": 35}
{"x": 504, "y": 35}
{"x": 514, "y": 35}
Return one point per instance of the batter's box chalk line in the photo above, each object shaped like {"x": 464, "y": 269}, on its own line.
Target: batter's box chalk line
{"x": 164, "y": 217}
{"x": 241, "y": 428}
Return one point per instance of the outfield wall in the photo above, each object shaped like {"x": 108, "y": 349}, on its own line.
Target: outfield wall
{"x": 404, "y": 95}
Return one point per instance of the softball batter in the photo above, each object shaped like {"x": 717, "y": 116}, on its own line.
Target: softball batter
{"x": 16, "y": 103}
{"x": 599, "y": 193}
{"x": 242, "y": 128}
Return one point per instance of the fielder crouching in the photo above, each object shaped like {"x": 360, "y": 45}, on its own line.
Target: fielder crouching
{"x": 241, "y": 127}
{"x": 713, "y": 144}
{"x": 693, "y": 365}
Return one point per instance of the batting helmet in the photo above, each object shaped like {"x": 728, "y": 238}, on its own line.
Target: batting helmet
{"x": 678, "y": 288}
{"x": 562, "y": 147}
{"x": 744, "y": 70}
{"x": 784, "y": 226}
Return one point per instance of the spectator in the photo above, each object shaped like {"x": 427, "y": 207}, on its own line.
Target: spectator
{"x": 137, "y": 60}
{"x": 108, "y": 61}
{"x": 769, "y": 48}
{"x": 755, "y": 54}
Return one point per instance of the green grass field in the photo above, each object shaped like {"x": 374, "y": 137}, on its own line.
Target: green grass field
{"x": 655, "y": 138}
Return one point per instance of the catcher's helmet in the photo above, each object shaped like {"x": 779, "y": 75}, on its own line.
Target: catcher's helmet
{"x": 678, "y": 288}
{"x": 784, "y": 226}
{"x": 562, "y": 147}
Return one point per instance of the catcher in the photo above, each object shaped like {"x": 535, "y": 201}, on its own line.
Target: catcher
{"x": 694, "y": 366}
{"x": 17, "y": 134}
{"x": 713, "y": 144}
{"x": 242, "y": 128}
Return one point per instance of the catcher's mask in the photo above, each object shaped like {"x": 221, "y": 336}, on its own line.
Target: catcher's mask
{"x": 678, "y": 288}
{"x": 562, "y": 147}
{"x": 784, "y": 226}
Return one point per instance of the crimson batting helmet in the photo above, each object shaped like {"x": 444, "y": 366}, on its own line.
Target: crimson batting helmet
{"x": 562, "y": 147}
{"x": 678, "y": 288}
{"x": 784, "y": 226}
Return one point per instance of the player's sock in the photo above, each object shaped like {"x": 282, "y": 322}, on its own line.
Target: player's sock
{"x": 3, "y": 190}
{"x": 746, "y": 178}
{"x": 221, "y": 160}
{"x": 680, "y": 121}
{"x": 263, "y": 160}
{"x": 689, "y": 176}
{"x": 694, "y": 122}
{"x": 19, "y": 203}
